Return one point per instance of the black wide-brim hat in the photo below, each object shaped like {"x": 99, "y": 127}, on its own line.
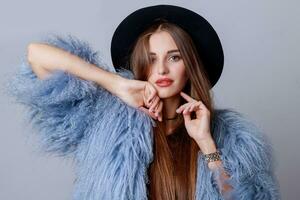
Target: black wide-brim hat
{"x": 202, "y": 33}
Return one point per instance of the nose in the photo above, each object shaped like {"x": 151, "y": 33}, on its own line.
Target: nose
{"x": 162, "y": 68}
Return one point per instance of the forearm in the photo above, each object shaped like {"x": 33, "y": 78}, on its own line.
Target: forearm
{"x": 221, "y": 176}
{"x": 216, "y": 166}
{"x": 47, "y": 58}
{"x": 108, "y": 80}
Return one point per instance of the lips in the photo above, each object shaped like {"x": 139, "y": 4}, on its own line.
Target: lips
{"x": 164, "y": 80}
{"x": 164, "y": 84}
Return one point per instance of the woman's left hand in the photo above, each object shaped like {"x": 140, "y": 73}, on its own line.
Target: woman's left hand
{"x": 198, "y": 128}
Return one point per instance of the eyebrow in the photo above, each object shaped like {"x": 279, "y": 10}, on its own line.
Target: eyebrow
{"x": 171, "y": 51}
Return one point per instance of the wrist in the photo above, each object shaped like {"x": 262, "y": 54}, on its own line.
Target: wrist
{"x": 214, "y": 165}
{"x": 124, "y": 86}
{"x": 207, "y": 145}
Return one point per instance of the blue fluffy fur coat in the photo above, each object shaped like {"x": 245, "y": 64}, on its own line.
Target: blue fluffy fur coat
{"x": 112, "y": 142}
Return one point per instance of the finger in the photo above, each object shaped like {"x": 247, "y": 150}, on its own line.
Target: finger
{"x": 148, "y": 101}
{"x": 154, "y": 104}
{"x": 153, "y": 92}
{"x": 160, "y": 108}
{"x": 187, "y": 97}
{"x": 202, "y": 105}
{"x": 155, "y": 109}
{"x": 186, "y": 109}
{"x": 149, "y": 93}
{"x": 151, "y": 97}
{"x": 147, "y": 104}
{"x": 145, "y": 100}
{"x": 182, "y": 107}
{"x": 186, "y": 117}
{"x": 159, "y": 111}
{"x": 194, "y": 106}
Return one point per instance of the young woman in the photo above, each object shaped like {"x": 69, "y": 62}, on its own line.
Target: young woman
{"x": 166, "y": 66}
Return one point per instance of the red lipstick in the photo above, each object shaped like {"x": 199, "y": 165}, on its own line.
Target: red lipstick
{"x": 164, "y": 82}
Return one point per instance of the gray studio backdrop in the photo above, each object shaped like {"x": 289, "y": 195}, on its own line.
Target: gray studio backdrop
{"x": 260, "y": 78}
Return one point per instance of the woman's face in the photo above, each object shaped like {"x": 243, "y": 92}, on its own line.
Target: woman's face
{"x": 166, "y": 63}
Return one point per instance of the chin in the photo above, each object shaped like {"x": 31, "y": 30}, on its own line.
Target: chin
{"x": 163, "y": 94}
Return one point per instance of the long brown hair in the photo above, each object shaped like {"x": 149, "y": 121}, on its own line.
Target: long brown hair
{"x": 173, "y": 172}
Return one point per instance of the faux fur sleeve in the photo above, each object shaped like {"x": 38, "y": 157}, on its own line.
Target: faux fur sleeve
{"x": 113, "y": 162}
{"x": 59, "y": 107}
{"x": 247, "y": 157}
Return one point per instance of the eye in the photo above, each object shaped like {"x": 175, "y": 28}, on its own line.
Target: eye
{"x": 176, "y": 57}
{"x": 152, "y": 59}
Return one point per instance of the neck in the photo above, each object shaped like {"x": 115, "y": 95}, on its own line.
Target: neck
{"x": 169, "y": 111}
{"x": 170, "y": 106}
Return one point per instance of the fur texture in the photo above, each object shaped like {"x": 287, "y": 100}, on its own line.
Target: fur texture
{"x": 112, "y": 142}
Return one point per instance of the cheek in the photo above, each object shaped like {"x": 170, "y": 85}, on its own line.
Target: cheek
{"x": 150, "y": 76}
{"x": 150, "y": 79}
{"x": 181, "y": 74}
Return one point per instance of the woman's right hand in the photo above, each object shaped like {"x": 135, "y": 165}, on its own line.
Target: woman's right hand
{"x": 142, "y": 95}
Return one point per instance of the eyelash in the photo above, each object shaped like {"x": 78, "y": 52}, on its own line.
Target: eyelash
{"x": 176, "y": 57}
{"x": 152, "y": 59}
